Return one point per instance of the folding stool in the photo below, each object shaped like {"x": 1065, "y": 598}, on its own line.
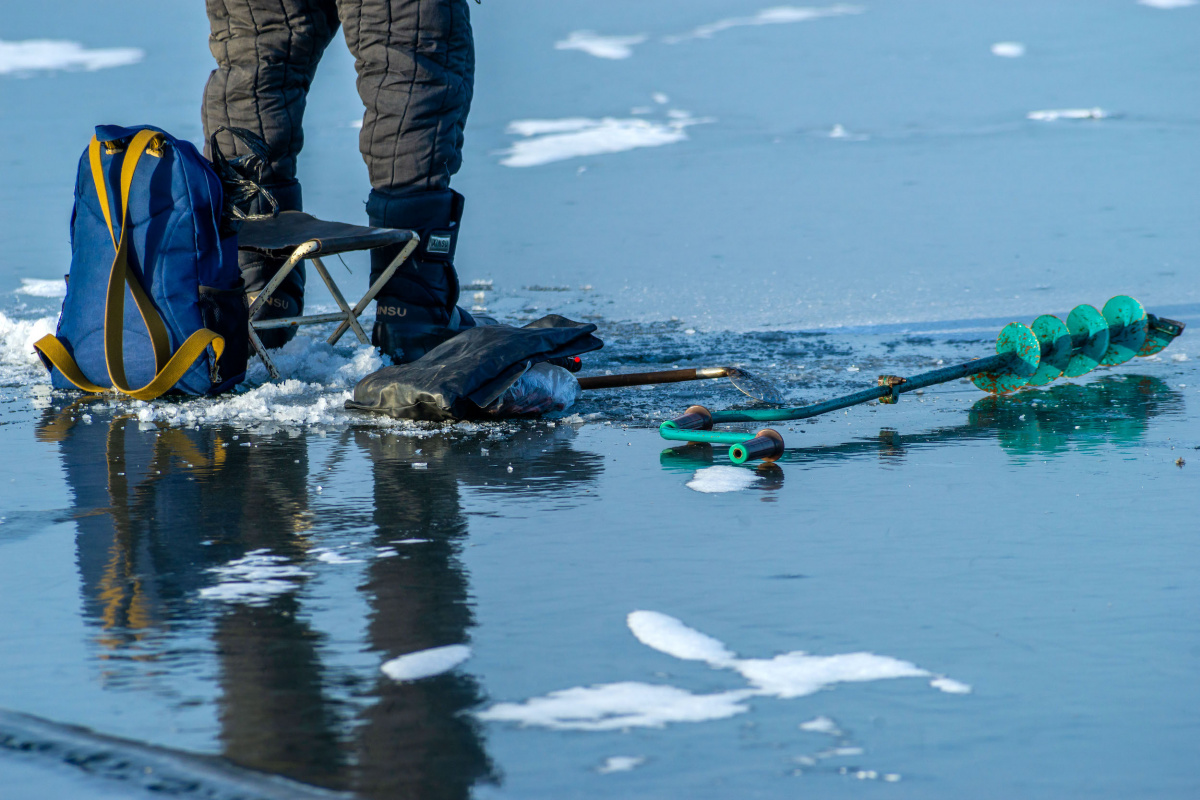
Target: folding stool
{"x": 295, "y": 236}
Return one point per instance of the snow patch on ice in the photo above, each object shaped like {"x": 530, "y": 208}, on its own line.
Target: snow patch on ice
{"x": 17, "y": 337}
{"x": 550, "y": 140}
{"x": 798, "y": 674}
{"x": 950, "y": 686}
{"x": 39, "y": 55}
{"x": 38, "y": 287}
{"x": 722, "y": 478}
{"x": 839, "y": 131}
{"x": 821, "y": 725}
{"x": 318, "y": 382}
{"x": 668, "y": 635}
{"x": 1167, "y": 5}
{"x": 614, "y": 706}
{"x": 614, "y": 47}
{"x": 1179, "y": 357}
{"x": 426, "y": 663}
{"x": 254, "y": 579}
{"x": 780, "y": 15}
{"x": 620, "y": 764}
{"x": 1055, "y": 114}
{"x": 18, "y": 361}
{"x": 1008, "y": 49}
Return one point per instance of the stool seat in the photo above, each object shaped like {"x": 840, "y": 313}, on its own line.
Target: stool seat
{"x": 278, "y": 236}
{"x": 296, "y": 236}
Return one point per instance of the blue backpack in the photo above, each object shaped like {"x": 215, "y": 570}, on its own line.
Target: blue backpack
{"x": 147, "y": 227}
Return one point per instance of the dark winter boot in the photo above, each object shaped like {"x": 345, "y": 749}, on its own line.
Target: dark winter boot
{"x": 417, "y": 309}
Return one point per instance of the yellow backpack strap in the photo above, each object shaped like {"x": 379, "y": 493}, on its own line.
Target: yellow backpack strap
{"x": 50, "y": 347}
{"x": 169, "y": 368}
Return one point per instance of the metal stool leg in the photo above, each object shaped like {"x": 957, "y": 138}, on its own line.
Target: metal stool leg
{"x": 377, "y": 286}
{"x": 262, "y": 353}
{"x": 351, "y": 317}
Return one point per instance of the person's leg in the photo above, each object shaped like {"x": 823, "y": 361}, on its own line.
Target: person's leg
{"x": 267, "y": 53}
{"x": 416, "y": 67}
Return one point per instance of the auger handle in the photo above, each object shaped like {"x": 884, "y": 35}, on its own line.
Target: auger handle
{"x": 694, "y": 418}
{"x": 767, "y": 444}
{"x": 651, "y": 378}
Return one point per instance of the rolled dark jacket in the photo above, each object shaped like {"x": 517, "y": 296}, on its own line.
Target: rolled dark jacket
{"x": 461, "y": 377}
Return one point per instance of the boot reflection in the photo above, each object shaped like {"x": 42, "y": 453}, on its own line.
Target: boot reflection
{"x": 415, "y": 740}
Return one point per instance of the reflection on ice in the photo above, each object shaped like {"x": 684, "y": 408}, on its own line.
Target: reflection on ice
{"x": 615, "y": 706}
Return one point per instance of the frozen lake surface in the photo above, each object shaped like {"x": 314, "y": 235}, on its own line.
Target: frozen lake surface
{"x": 953, "y": 596}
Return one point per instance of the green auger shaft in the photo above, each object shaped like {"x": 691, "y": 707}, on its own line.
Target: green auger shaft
{"x": 1023, "y": 356}
{"x": 944, "y": 375}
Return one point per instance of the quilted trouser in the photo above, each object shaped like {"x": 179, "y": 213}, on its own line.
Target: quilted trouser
{"x": 415, "y": 61}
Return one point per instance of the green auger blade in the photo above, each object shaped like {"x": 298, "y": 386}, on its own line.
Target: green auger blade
{"x": 1089, "y": 337}
{"x": 1055, "y": 339}
{"x": 1160, "y": 333}
{"x": 1021, "y": 345}
{"x": 1127, "y": 328}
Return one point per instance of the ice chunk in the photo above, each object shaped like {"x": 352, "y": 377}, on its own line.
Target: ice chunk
{"x": 615, "y": 47}
{"x": 722, "y": 478}
{"x": 614, "y": 706}
{"x": 668, "y": 635}
{"x": 34, "y": 55}
{"x": 426, "y": 663}
{"x": 1167, "y": 5}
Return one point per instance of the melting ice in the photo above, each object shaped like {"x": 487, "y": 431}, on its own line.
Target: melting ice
{"x": 615, "y": 706}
